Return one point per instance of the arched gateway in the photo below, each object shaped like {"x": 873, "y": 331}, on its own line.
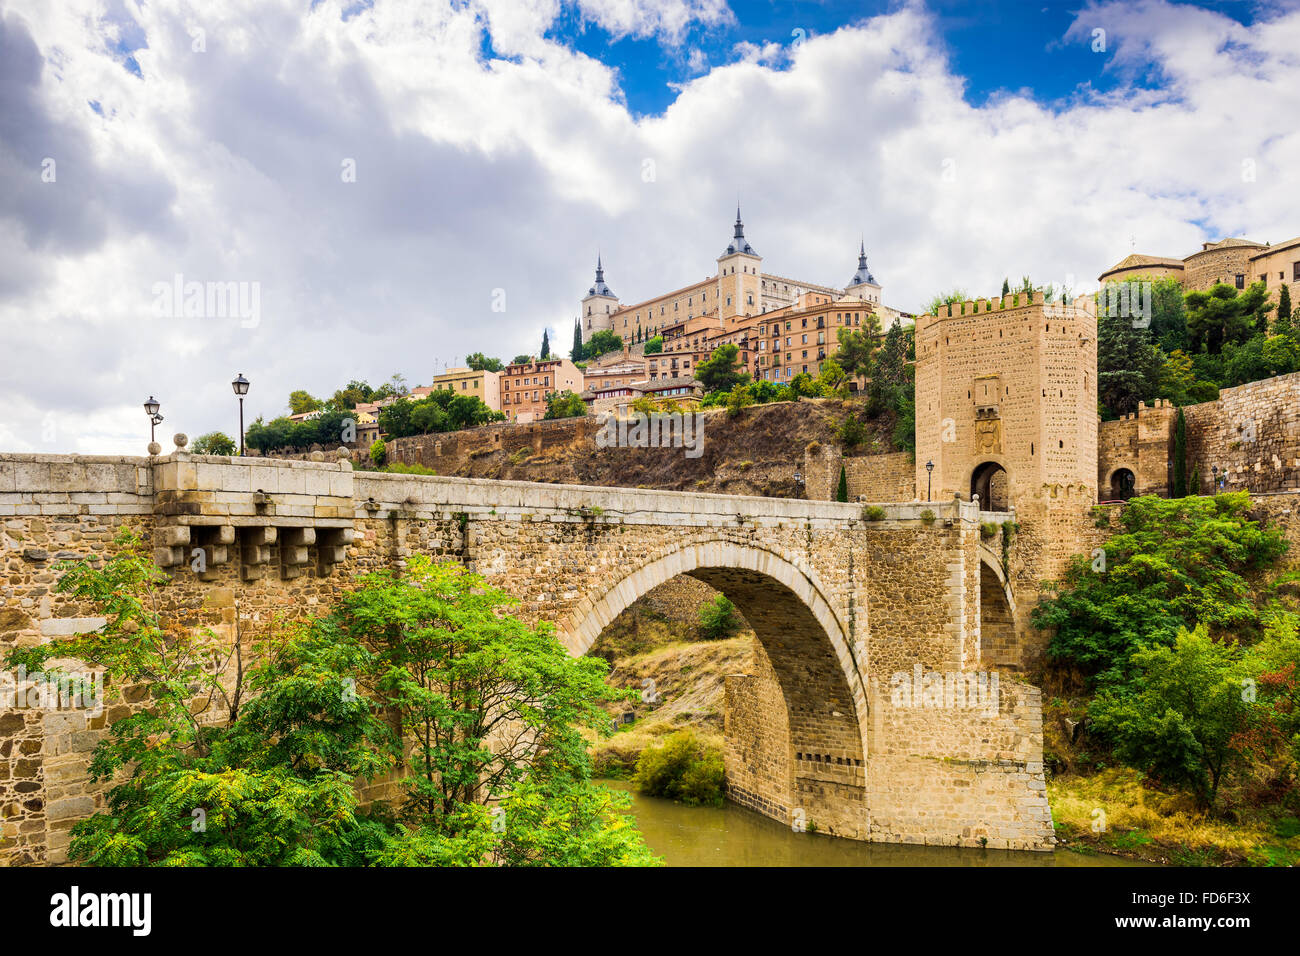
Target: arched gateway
{"x": 806, "y": 755}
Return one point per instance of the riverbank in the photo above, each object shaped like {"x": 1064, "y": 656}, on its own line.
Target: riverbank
{"x": 1112, "y": 812}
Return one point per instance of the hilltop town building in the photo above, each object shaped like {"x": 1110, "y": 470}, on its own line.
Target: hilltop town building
{"x": 524, "y": 387}
{"x": 1236, "y": 262}
{"x": 481, "y": 384}
{"x": 739, "y": 304}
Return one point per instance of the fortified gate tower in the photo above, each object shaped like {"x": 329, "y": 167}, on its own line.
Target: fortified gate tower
{"x": 1006, "y": 408}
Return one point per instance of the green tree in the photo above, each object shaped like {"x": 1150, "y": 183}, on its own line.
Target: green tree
{"x": 1222, "y": 316}
{"x": 942, "y": 299}
{"x": 481, "y": 363}
{"x": 564, "y": 404}
{"x": 1006, "y": 287}
{"x": 1184, "y": 717}
{"x": 492, "y": 706}
{"x": 721, "y": 371}
{"x": 1175, "y": 564}
{"x": 301, "y": 402}
{"x": 1283, "y": 326}
{"x": 1128, "y": 365}
{"x": 350, "y": 395}
{"x": 603, "y": 342}
{"x": 842, "y": 489}
{"x": 546, "y": 344}
{"x": 577, "y": 353}
{"x": 521, "y": 360}
{"x": 214, "y": 443}
{"x": 718, "y": 619}
{"x": 655, "y": 345}
{"x": 856, "y": 352}
{"x": 378, "y": 452}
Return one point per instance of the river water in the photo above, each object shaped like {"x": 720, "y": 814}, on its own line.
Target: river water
{"x": 734, "y": 836}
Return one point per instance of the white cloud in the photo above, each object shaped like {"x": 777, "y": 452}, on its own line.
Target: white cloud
{"x": 477, "y": 174}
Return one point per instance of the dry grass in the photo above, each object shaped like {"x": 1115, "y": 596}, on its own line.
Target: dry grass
{"x": 1161, "y": 827}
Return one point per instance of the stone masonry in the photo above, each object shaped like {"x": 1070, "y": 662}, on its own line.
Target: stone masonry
{"x": 840, "y": 605}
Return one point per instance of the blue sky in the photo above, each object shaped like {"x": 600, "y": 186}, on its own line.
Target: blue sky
{"x": 995, "y": 45}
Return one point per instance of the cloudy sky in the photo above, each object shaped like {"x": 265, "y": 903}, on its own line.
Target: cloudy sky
{"x": 391, "y": 185}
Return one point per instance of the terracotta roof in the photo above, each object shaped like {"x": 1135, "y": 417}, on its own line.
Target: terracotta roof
{"x": 1268, "y": 250}
{"x": 1137, "y": 259}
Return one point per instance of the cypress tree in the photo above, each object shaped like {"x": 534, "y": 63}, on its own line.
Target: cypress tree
{"x": 1283, "y": 325}
{"x": 1006, "y": 287}
{"x": 546, "y": 343}
{"x": 842, "y": 492}
{"x": 576, "y": 355}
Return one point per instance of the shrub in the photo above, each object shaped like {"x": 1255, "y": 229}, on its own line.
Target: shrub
{"x": 685, "y": 768}
{"x": 718, "y": 620}
{"x": 852, "y": 432}
{"x": 873, "y": 513}
{"x": 988, "y": 530}
{"x": 928, "y": 516}
{"x": 398, "y": 468}
{"x": 378, "y": 451}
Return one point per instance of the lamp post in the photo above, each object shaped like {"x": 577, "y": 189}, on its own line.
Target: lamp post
{"x": 1215, "y": 470}
{"x": 151, "y": 409}
{"x": 929, "y": 470}
{"x": 240, "y": 385}
{"x": 798, "y": 483}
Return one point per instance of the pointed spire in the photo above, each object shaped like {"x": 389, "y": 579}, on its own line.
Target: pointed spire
{"x": 600, "y": 288}
{"x": 738, "y": 242}
{"x": 863, "y": 276}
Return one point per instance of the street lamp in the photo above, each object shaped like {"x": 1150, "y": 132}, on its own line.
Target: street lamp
{"x": 798, "y": 483}
{"x": 240, "y": 385}
{"x": 151, "y": 409}
{"x": 929, "y": 470}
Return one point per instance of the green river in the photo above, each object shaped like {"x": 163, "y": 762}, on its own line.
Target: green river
{"x": 733, "y": 836}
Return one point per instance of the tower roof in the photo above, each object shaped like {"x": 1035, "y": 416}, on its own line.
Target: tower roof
{"x": 863, "y": 276}
{"x": 600, "y": 288}
{"x": 738, "y": 242}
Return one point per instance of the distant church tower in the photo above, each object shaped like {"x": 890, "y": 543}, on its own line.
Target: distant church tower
{"x": 598, "y": 306}
{"x": 739, "y": 277}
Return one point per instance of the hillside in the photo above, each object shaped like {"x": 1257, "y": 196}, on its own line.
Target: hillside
{"x": 753, "y": 453}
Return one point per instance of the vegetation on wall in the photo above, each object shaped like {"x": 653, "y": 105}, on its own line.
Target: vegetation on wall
{"x": 1189, "y": 345}
{"x": 1189, "y": 655}
{"x": 564, "y": 404}
{"x": 262, "y": 773}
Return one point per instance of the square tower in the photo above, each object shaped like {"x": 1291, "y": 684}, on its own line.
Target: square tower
{"x": 1006, "y": 402}
{"x": 739, "y": 277}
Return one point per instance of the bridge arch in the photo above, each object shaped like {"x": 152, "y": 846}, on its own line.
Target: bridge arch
{"x": 801, "y": 743}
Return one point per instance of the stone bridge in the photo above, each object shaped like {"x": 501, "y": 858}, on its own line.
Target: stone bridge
{"x": 867, "y": 714}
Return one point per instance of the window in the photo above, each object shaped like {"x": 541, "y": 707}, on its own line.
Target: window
{"x": 1296, "y": 273}
{"x": 1241, "y": 281}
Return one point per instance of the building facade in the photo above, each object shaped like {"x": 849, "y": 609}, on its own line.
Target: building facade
{"x": 1232, "y": 261}
{"x": 481, "y": 384}
{"x": 697, "y": 318}
{"x": 524, "y": 387}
